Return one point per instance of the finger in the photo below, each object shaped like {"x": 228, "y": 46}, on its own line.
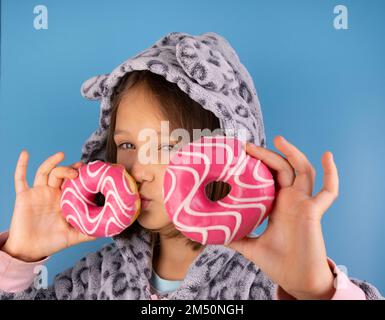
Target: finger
{"x": 284, "y": 172}
{"x": 21, "y": 183}
{"x": 41, "y": 177}
{"x": 58, "y": 174}
{"x": 76, "y": 237}
{"x": 330, "y": 189}
{"x": 76, "y": 165}
{"x": 305, "y": 173}
{"x": 85, "y": 237}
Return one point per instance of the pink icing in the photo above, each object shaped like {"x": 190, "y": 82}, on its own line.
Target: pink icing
{"x": 121, "y": 205}
{"x": 231, "y": 218}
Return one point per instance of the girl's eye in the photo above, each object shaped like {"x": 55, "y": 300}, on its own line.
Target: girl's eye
{"x": 166, "y": 147}
{"x": 125, "y": 145}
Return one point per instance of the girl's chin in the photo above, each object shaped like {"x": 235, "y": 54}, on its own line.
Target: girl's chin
{"x": 147, "y": 220}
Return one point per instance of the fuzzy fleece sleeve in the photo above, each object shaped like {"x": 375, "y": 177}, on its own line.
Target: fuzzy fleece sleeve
{"x": 82, "y": 281}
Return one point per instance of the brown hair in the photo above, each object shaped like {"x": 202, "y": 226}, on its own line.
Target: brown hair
{"x": 182, "y": 112}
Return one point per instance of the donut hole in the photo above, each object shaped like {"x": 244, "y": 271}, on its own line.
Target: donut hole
{"x": 99, "y": 199}
{"x": 217, "y": 190}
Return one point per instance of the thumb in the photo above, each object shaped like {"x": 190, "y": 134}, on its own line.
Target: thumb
{"x": 77, "y": 237}
{"x": 85, "y": 237}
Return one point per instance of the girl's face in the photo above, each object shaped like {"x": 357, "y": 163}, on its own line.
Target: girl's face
{"x": 137, "y": 112}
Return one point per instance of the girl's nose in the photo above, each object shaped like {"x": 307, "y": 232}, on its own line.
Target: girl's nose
{"x": 141, "y": 172}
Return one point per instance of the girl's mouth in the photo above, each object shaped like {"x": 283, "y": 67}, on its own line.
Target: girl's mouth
{"x": 144, "y": 202}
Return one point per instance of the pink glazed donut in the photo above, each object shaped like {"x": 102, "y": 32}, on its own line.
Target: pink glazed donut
{"x": 121, "y": 199}
{"x": 231, "y": 218}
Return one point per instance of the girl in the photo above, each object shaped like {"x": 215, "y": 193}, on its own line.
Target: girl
{"x": 193, "y": 82}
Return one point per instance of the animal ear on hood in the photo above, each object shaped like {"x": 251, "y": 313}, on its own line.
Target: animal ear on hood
{"x": 94, "y": 88}
{"x": 205, "y": 67}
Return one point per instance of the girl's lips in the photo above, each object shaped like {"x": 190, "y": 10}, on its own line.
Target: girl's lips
{"x": 144, "y": 202}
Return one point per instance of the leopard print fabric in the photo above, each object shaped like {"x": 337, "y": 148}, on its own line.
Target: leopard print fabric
{"x": 205, "y": 67}
{"x": 122, "y": 269}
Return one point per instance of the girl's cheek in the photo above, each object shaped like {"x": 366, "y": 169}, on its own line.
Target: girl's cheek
{"x": 127, "y": 165}
{"x": 124, "y": 159}
{"x": 161, "y": 171}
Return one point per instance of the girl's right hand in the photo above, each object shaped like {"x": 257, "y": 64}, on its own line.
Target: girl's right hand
{"x": 38, "y": 228}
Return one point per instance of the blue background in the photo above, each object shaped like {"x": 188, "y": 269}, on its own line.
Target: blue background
{"x": 321, "y": 88}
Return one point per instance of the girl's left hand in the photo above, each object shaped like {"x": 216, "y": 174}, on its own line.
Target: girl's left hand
{"x": 291, "y": 251}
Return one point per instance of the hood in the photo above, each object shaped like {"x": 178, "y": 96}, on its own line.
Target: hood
{"x": 218, "y": 272}
{"x": 205, "y": 67}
